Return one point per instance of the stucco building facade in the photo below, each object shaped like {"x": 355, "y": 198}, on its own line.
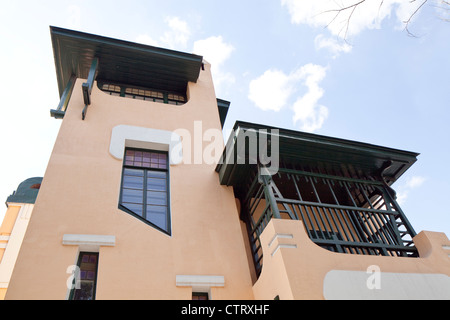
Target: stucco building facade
{"x": 142, "y": 199}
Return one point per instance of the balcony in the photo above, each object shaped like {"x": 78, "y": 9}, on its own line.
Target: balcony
{"x": 340, "y": 190}
{"x": 340, "y": 214}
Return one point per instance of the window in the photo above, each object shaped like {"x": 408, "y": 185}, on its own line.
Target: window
{"x": 199, "y": 296}
{"x": 145, "y": 185}
{"x": 143, "y": 94}
{"x": 86, "y": 277}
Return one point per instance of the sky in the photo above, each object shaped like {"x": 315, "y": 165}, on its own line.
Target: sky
{"x": 295, "y": 64}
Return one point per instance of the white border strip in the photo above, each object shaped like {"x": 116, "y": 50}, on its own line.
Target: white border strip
{"x": 200, "y": 281}
{"x": 88, "y": 239}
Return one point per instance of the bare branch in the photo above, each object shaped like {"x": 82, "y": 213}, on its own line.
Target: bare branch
{"x": 351, "y": 8}
{"x": 412, "y": 16}
{"x": 340, "y": 10}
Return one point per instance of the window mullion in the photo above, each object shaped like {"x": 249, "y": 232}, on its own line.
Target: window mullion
{"x": 144, "y": 210}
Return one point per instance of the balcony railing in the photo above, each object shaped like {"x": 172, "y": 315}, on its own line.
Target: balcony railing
{"x": 340, "y": 214}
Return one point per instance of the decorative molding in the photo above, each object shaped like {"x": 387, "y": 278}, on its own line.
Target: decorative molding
{"x": 290, "y": 246}
{"x": 200, "y": 281}
{"x": 89, "y": 240}
{"x": 139, "y": 137}
{"x": 281, "y": 245}
{"x": 280, "y": 236}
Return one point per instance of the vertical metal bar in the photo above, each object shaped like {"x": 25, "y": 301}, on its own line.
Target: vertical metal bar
{"x": 286, "y": 206}
{"x": 312, "y": 224}
{"x": 358, "y": 218}
{"x": 375, "y": 221}
{"x": 87, "y": 86}
{"x": 267, "y": 182}
{"x": 358, "y": 226}
{"x": 65, "y": 98}
{"x": 403, "y": 218}
{"x": 392, "y": 221}
{"x": 319, "y": 212}
{"x": 337, "y": 214}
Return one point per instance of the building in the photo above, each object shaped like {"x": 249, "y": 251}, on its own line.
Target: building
{"x": 141, "y": 199}
{"x": 12, "y": 230}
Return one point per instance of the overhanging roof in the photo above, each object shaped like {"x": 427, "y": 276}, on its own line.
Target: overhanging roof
{"x": 121, "y": 61}
{"x": 301, "y": 148}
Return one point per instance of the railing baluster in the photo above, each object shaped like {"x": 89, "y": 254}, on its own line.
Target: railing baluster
{"x": 347, "y": 215}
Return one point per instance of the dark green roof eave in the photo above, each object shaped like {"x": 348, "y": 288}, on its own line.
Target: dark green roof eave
{"x": 297, "y": 146}
{"x": 74, "y": 50}
{"x": 331, "y": 141}
{"x": 223, "y": 107}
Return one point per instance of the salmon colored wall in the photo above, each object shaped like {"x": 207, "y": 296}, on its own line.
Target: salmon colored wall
{"x": 298, "y": 268}
{"x": 80, "y": 193}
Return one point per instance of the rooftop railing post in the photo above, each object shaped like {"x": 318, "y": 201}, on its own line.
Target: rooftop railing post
{"x": 267, "y": 182}
{"x": 87, "y": 86}
{"x": 59, "y": 112}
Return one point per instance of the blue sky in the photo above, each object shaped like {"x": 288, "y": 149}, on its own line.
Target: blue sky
{"x": 278, "y": 62}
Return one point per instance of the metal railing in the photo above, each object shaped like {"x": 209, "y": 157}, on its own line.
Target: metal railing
{"x": 340, "y": 214}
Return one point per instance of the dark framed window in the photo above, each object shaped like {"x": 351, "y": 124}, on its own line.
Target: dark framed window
{"x": 86, "y": 277}
{"x": 145, "y": 187}
{"x": 143, "y": 93}
{"x": 200, "y": 296}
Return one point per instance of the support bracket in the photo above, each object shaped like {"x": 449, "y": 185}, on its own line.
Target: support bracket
{"x": 87, "y": 86}
{"x": 266, "y": 181}
{"x": 59, "y": 112}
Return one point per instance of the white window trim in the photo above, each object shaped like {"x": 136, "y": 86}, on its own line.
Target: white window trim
{"x": 89, "y": 242}
{"x": 145, "y": 138}
{"x": 200, "y": 283}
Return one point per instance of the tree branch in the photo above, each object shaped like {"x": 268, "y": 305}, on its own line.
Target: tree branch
{"x": 410, "y": 17}
{"x": 353, "y": 7}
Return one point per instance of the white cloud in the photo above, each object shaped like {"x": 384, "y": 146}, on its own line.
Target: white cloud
{"x": 306, "y": 108}
{"x": 216, "y": 51}
{"x": 404, "y": 190}
{"x": 274, "y": 89}
{"x": 333, "y": 45}
{"x": 176, "y": 37}
{"x": 271, "y": 90}
{"x": 415, "y": 182}
{"x": 367, "y": 15}
{"x": 146, "y": 39}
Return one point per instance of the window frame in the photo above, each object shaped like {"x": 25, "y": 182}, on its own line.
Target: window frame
{"x": 197, "y": 296}
{"x": 145, "y": 170}
{"x": 162, "y": 96}
{"x": 79, "y": 261}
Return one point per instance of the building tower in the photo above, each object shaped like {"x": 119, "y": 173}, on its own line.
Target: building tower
{"x": 119, "y": 210}
{"x": 12, "y": 230}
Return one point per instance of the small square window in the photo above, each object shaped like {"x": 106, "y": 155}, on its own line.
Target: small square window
{"x": 200, "y": 296}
